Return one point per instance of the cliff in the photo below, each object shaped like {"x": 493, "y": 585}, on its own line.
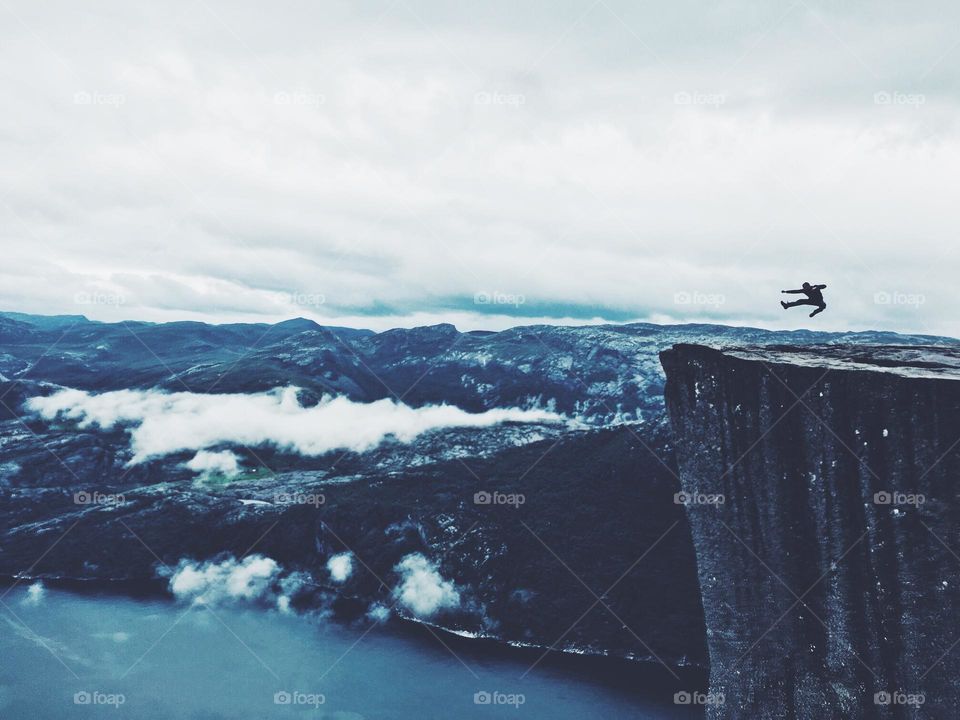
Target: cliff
{"x": 821, "y": 488}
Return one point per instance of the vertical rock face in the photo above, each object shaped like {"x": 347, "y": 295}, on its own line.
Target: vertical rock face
{"x": 822, "y": 490}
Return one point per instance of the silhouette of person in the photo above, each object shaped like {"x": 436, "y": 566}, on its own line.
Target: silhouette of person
{"x": 814, "y": 297}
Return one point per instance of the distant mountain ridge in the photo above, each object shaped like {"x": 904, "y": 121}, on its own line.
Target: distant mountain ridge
{"x": 601, "y": 373}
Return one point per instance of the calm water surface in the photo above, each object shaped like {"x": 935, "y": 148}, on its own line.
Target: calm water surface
{"x": 69, "y": 655}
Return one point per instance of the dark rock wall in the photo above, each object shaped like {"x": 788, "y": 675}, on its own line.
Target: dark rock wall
{"x": 818, "y": 594}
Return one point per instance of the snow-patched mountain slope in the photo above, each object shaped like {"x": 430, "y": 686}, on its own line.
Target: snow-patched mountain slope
{"x": 601, "y": 374}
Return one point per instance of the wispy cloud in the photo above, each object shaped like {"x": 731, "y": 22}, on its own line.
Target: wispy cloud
{"x": 422, "y": 590}
{"x": 226, "y": 580}
{"x": 340, "y": 566}
{"x": 213, "y": 582}
{"x": 207, "y": 463}
{"x": 162, "y": 423}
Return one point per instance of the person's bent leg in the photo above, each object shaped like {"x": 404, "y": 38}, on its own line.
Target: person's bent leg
{"x": 820, "y": 309}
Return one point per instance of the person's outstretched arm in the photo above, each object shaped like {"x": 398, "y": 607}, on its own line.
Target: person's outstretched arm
{"x": 794, "y": 292}
{"x": 820, "y": 287}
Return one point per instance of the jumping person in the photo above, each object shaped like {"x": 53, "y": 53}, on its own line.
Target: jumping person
{"x": 814, "y": 297}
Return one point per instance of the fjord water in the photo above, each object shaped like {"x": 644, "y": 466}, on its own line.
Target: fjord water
{"x": 68, "y": 655}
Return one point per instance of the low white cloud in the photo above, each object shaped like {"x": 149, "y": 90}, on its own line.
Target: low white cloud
{"x": 422, "y": 589}
{"x": 290, "y": 585}
{"x": 35, "y": 594}
{"x": 340, "y": 567}
{"x": 253, "y": 579}
{"x": 208, "y": 463}
{"x": 378, "y": 612}
{"x": 161, "y": 423}
{"x": 212, "y": 582}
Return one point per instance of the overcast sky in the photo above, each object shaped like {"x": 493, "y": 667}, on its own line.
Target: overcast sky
{"x": 404, "y": 162}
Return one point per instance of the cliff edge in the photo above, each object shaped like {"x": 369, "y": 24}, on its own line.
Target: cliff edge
{"x": 821, "y": 487}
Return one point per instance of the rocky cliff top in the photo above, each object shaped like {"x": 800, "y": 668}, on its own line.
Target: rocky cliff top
{"x": 903, "y": 360}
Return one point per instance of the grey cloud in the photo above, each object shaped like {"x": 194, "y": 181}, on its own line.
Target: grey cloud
{"x": 197, "y": 162}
